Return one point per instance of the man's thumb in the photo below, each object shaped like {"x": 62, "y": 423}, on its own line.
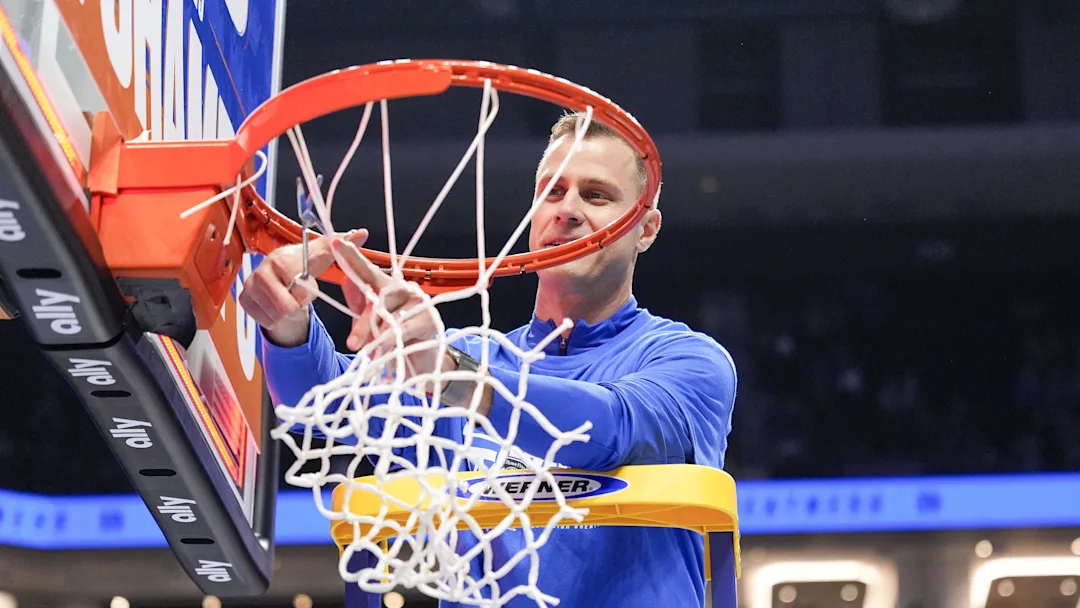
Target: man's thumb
{"x": 357, "y": 237}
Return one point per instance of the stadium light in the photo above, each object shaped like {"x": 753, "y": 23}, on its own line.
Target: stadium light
{"x": 879, "y": 578}
{"x": 989, "y": 571}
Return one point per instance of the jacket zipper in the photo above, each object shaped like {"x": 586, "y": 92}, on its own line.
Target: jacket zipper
{"x": 562, "y": 345}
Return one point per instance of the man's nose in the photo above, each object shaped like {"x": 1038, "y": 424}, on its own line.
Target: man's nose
{"x": 570, "y": 208}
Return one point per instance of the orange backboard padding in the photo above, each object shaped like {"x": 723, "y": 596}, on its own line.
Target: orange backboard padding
{"x": 142, "y": 238}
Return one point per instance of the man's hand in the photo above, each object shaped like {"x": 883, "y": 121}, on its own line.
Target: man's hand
{"x": 281, "y": 311}
{"x": 399, "y": 301}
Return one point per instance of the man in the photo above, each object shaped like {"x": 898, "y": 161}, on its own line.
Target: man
{"x": 655, "y": 391}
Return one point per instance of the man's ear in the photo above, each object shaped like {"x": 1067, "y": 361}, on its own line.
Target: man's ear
{"x": 650, "y": 227}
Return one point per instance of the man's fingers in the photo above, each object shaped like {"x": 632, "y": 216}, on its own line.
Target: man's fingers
{"x": 417, "y": 329}
{"x": 395, "y": 299}
{"x": 303, "y": 291}
{"x": 361, "y": 329}
{"x": 356, "y": 266}
{"x": 277, "y": 301}
{"x": 320, "y": 254}
{"x": 283, "y": 271}
{"x": 418, "y": 326}
{"x": 258, "y": 313}
{"x": 354, "y": 297}
{"x": 398, "y": 303}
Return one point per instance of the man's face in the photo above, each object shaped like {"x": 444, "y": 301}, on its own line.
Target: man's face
{"x": 597, "y": 187}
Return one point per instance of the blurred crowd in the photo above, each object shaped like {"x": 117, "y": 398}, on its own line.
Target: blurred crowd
{"x": 905, "y": 376}
{"x": 48, "y": 443}
{"x": 913, "y": 374}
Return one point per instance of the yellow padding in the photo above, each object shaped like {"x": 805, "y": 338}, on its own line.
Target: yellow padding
{"x": 687, "y": 496}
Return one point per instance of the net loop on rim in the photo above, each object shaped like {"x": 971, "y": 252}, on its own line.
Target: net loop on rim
{"x": 383, "y": 409}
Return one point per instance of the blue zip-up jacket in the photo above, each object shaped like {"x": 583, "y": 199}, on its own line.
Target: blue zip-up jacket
{"x": 655, "y": 391}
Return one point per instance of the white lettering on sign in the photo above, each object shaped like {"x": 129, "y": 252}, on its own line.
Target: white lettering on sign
{"x": 133, "y": 432}
{"x": 94, "y": 371}
{"x": 568, "y": 486}
{"x": 146, "y": 46}
{"x": 214, "y": 571}
{"x": 179, "y": 106}
{"x": 116, "y": 31}
{"x": 179, "y": 509}
{"x": 10, "y": 229}
{"x": 57, "y": 308}
{"x": 238, "y": 12}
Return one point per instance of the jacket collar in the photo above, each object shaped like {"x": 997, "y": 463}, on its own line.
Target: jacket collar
{"x": 583, "y": 336}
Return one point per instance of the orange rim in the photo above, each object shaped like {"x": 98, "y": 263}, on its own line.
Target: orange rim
{"x": 263, "y": 229}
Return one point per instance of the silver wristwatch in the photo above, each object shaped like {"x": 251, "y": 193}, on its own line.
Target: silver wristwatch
{"x": 455, "y": 391}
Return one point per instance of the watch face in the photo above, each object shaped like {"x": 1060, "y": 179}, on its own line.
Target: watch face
{"x": 463, "y": 359}
{"x": 455, "y": 354}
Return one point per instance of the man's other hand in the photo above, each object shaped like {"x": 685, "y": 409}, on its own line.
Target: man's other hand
{"x": 275, "y": 301}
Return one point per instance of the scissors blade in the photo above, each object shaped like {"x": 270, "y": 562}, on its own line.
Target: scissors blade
{"x": 308, "y": 220}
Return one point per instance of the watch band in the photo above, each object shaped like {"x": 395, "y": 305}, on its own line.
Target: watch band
{"x": 455, "y": 391}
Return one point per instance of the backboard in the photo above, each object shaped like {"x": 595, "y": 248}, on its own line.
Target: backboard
{"x": 181, "y": 408}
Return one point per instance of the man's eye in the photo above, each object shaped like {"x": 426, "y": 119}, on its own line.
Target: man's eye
{"x": 597, "y": 196}
{"x": 557, "y": 191}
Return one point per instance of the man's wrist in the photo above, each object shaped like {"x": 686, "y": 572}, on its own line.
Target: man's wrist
{"x": 290, "y": 333}
{"x": 461, "y": 393}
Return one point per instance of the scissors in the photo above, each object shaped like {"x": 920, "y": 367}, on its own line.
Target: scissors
{"x": 309, "y": 219}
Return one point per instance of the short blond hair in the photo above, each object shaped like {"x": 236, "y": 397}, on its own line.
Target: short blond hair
{"x": 567, "y": 125}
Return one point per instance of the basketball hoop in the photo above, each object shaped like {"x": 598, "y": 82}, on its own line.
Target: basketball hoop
{"x": 409, "y": 515}
{"x": 124, "y": 174}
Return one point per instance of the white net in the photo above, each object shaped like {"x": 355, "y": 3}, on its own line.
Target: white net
{"x": 380, "y": 409}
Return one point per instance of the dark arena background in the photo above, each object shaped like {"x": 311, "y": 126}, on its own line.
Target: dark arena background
{"x": 873, "y": 204}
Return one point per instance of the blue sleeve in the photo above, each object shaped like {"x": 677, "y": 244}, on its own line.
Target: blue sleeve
{"x": 292, "y": 371}
{"x": 675, "y": 409}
